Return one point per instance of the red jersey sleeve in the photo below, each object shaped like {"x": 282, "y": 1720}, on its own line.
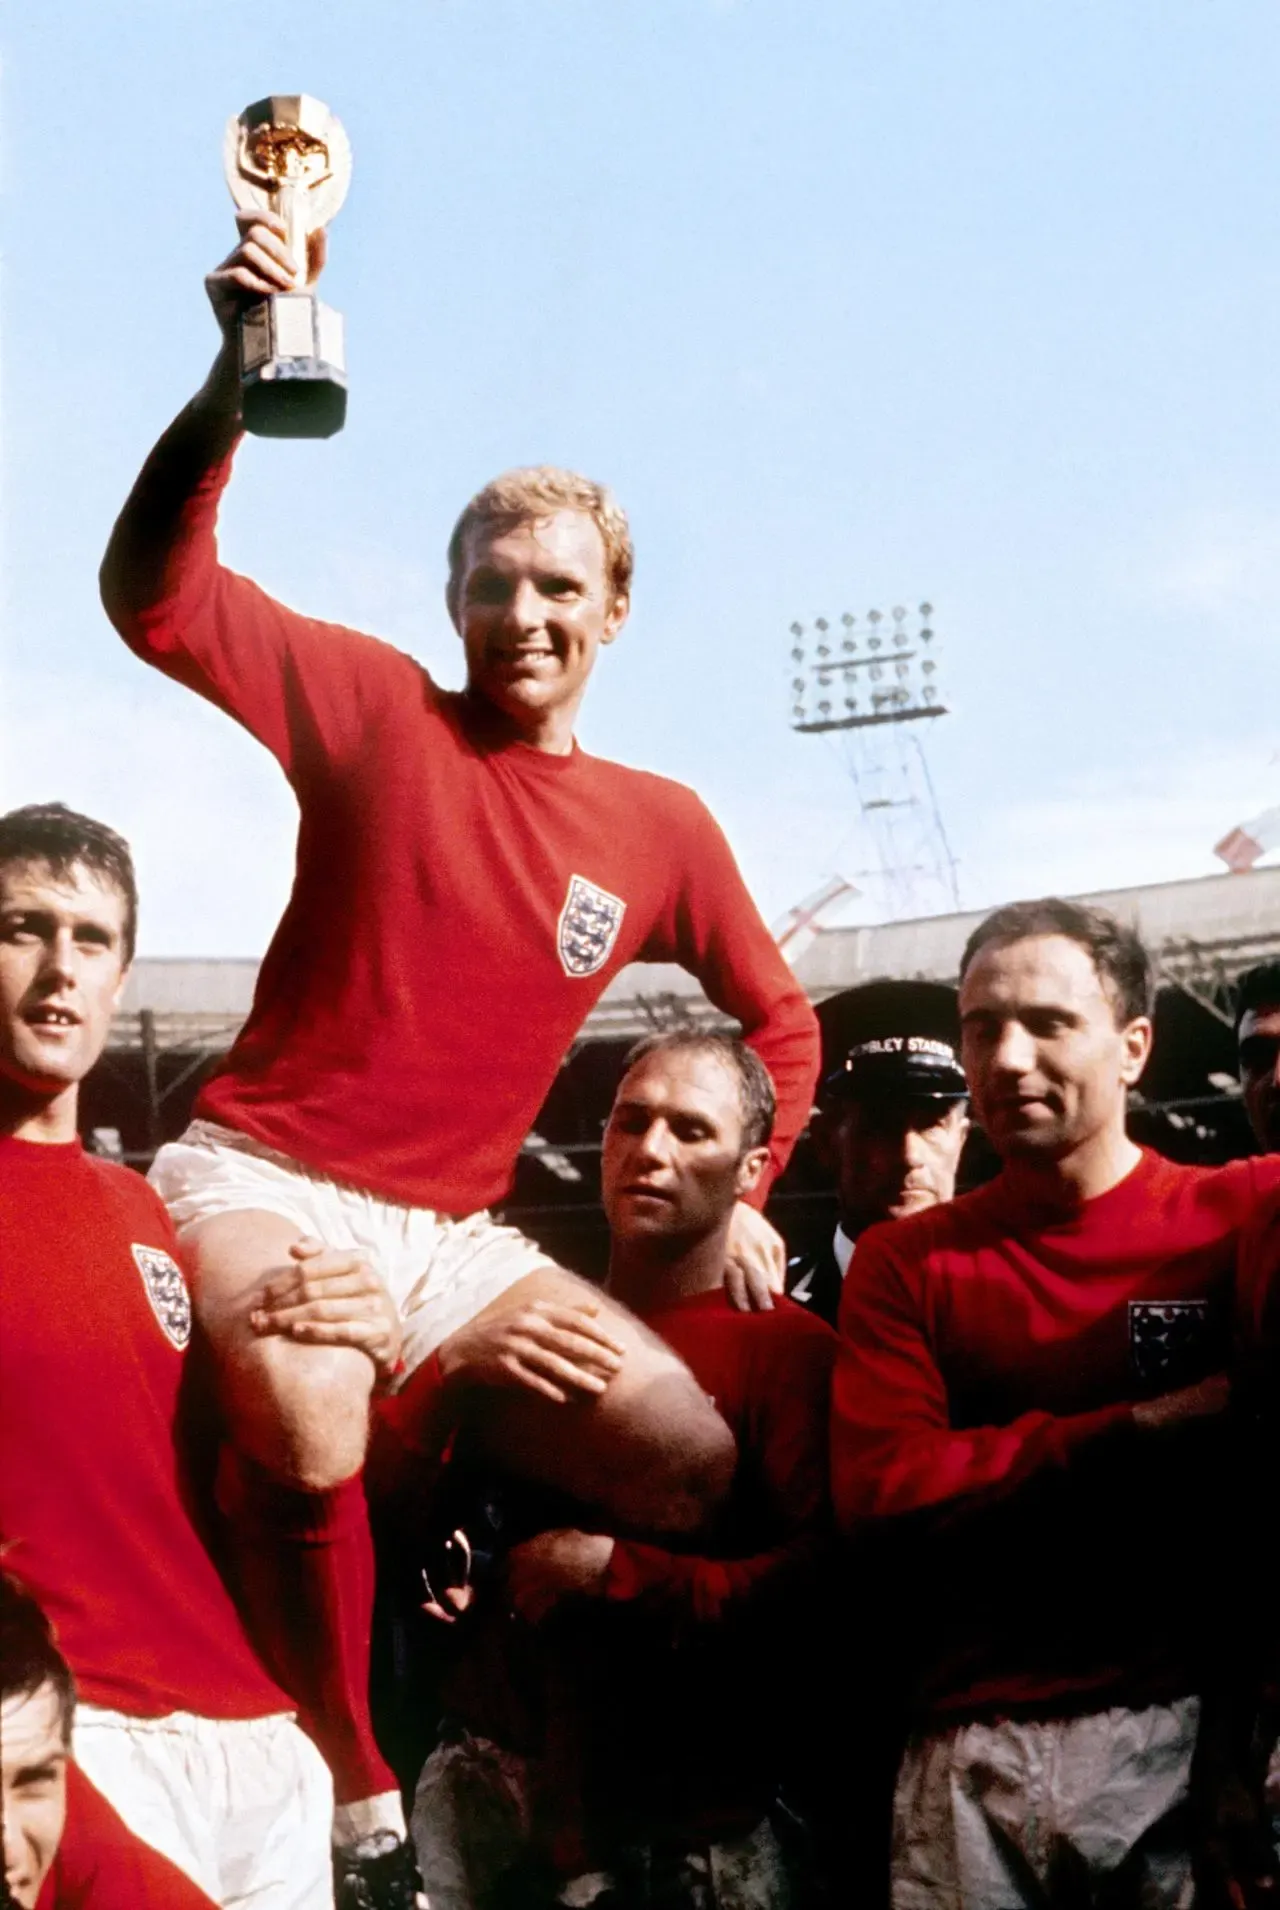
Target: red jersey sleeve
{"x": 714, "y": 930}
{"x": 789, "y": 1456}
{"x": 305, "y": 689}
{"x": 893, "y": 1447}
{"x": 101, "y": 1865}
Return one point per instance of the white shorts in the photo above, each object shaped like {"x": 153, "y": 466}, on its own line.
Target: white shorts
{"x": 439, "y": 1271}
{"x": 242, "y": 1805}
{"x": 1013, "y": 1812}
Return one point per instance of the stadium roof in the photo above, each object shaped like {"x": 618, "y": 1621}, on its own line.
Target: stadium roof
{"x": 1202, "y": 933}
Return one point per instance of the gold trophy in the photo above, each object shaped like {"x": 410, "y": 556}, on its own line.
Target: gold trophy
{"x": 289, "y": 155}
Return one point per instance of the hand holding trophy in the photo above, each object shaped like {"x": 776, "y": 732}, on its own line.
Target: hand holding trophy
{"x": 287, "y": 156}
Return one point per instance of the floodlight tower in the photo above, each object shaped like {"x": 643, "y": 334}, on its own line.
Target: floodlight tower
{"x": 870, "y": 686}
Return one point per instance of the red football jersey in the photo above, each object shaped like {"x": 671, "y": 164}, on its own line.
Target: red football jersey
{"x": 982, "y": 1416}
{"x": 97, "y": 1512}
{"x": 460, "y": 901}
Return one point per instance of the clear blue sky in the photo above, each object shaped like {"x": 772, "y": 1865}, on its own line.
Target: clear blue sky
{"x": 854, "y": 302}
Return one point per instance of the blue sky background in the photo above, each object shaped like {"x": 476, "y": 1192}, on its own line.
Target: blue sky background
{"x": 854, "y": 302}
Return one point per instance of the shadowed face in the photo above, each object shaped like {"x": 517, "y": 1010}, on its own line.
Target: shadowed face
{"x": 673, "y": 1162}
{"x": 535, "y": 603}
{"x": 891, "y": 1158}
{"x": 33, "y": 1789}
{"x": 61, "y": 972}
{"x": 1260, "y": 1073}
{"x": 1048, "y": 1060}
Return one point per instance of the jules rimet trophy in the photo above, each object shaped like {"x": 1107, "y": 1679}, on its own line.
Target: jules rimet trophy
{"x": 288, "y": 154}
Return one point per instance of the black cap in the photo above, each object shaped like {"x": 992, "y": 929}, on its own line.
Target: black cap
{"x": 892, "y": 1040}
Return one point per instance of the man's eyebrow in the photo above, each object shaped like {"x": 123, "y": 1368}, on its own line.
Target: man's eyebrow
{"x": 46, "y": 1767}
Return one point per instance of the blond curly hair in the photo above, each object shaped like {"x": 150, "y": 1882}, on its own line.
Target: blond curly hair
{"x": 538, "y": 490}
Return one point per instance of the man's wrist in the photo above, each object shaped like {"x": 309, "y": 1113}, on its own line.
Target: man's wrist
{"x": 219, "y": 396}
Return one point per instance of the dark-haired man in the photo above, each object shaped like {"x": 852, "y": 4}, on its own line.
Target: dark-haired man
{"x": 1028, "y": 1402}
{"x": 670, "y": 1667}
{"x": 179, "y": 1724}
{"x": 64, "y": 1846}
{"x": 468, "y": 882}
{"x": 1258, "y": 1037}
{"x": 891, "y": 1121}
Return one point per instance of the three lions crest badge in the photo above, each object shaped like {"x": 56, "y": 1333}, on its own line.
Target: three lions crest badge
{"x": 588, "y": 927}
{"x": 167, "y": 1292}
{"x": 1170, "y": 1342}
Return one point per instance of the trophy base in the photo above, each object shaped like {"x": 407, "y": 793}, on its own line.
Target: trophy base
{"x": 293, "y": 380}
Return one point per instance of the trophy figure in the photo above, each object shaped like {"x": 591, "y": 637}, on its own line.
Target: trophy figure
{"x": 289, "y": 155}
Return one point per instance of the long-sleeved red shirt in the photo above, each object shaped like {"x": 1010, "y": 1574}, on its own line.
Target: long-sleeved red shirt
{"x": 98, "y": 1504}
{"x": 699, "y": 1650}
{"x": 460, "y": 902}
{"x": 990, "y": 1358}
{"x": 682, "y": 1675}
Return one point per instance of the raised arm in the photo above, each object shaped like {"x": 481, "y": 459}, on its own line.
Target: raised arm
{"x": 894, "y": 1450}
{"x": 716, "y": 933}
{"x": 301, "y": 687}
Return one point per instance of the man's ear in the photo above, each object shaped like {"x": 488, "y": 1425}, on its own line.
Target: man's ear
{"x": 1137, "y": 1049}
{"x": 617, "y": 616}
{"x": 750, "y": 1168}
{"x": 118, "y": 995}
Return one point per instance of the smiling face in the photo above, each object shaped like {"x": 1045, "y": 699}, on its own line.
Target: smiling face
{"x": 1048, "y": 1059}
{"x": 673, "y": 1164}
{"x": 62, "y": 972}
{"x": 33, "y": 1788}
{"x": 534, "y": 605}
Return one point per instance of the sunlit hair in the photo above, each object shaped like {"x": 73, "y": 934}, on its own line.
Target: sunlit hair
{"x": 538, "y": 491}
{"x": 51, "y": 833}
{"x": 756, "y": 1098}
{"x": 1122, "y": 963}
{"x": 29, "y": 1658}
{"x": 1258, "y": 988}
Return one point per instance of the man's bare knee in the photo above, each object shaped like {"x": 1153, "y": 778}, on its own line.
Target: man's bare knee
{"x": 301, "y": 1412}
{"x": 651, "y": 1451}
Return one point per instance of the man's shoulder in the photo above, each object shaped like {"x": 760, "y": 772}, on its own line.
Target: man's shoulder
{"x": 1233, "y": 1189}
{"x": 644, "y": 787}
{"x": 958, "y": 1226}
{"x": 782, "y": 1333}
{"x": 129, "y": 1193}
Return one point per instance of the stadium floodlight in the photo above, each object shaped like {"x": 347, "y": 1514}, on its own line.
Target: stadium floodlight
{"x": 847, "y": 664}
{"x": 872, "y": 685}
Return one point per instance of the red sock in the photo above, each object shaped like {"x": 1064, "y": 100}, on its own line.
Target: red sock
{"x": 304, "y": 1562}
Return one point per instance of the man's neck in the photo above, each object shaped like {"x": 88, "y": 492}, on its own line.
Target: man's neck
{"x": 549, "y": 732}
{"x": 1093, "y": 1168}
{"x": 30, "y": 1117}
{"x": 646, "y": 1273}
